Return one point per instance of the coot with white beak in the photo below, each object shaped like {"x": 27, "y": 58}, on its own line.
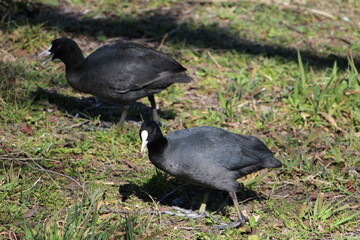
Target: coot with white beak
{"x": 120, "y": 72}
{"x": 207, "y": 156}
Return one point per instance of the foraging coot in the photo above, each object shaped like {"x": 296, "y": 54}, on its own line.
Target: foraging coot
{"x": 119, "y": 72}
{"x": 207, "y": 156}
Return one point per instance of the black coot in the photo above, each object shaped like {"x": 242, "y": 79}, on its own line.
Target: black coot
{"x": 119, "y": 72}
{"x": 207, "y": 156}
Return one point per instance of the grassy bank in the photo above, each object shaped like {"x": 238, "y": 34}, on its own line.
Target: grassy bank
{"x": 286, "y": 72}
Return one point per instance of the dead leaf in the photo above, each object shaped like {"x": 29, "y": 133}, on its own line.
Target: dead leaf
{"x": 330, "y": 119}
{"x": 131, "y": 164}
{"x": 31, "y": 211}
{"x": 105, "y": 216}
{"x": 279, "y": 138}
{"x": 349, "y": 92}
{"x": 320, "y": 12}
{"x": 350, "y": 186}
{"x": 314, "y": 195}
{"x": 27, "y": 129}
{"x": 5, "y": 148}
{"x": 314, "y": 135}
{"x": 306, "y": 223}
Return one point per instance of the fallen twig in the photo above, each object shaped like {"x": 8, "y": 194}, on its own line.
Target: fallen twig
{"x": 214, "y": 60}
{"x": 40, "y": 168}
{"x": 180, "y": 212}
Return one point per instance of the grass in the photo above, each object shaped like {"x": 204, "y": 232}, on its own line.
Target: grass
{"x": 287, "y": 73}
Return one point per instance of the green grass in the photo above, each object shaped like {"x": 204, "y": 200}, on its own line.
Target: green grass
{"x": 259, "y": 69}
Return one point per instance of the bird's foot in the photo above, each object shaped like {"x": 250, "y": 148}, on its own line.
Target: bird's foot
{"x": 89, "y": 126}
{"x": 92, "y": 128}
{"x": 181, "y": 212}
{"x": 223, "y": 225}
{"x": 135, "y": 123}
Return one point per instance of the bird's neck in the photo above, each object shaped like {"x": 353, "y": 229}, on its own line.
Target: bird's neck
{"x": 158, "y": 146}
{"x": 74, "y": 61}
{"x": 73, "y": 65}
{"x": 156, "y": 150}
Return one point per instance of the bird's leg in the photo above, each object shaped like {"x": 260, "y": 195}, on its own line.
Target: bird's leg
{"x": 123, "y": 115}
{"x": 241, "y": 218}
{"x": 203, "y": 204}
{"x": 181, "y": 212}
{"x": 155, "y": 114}
{"x": 190, "y": 214}
{"x": 97, "y": 101}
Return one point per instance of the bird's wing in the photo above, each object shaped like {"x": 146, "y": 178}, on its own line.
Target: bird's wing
{"x": 216, "y": 146}
{"x": 246, "y": 151}
{"x": 129, "y": 66}
{"x": 205, "y": 146}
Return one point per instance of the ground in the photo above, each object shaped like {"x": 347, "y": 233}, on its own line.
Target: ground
{"x": 284, "y": 71}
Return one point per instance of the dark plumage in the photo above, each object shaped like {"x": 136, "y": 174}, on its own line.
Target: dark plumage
{"x": 207, "y": 156}
{"x": 119, "y": 72}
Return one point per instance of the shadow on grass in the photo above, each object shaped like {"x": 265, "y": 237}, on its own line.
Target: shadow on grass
{"x": 153, "y": 25}
{"x": 91, "y": 107}
{"x": 173, "y": 192}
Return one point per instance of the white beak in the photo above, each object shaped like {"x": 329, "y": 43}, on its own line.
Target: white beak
{"x": 144, "y": 136}
{"x": 45, "y": 54}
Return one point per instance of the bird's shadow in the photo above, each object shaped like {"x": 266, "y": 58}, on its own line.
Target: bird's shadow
{"x": 93, "y": 108}
{"x": 173, "y": 192}
{"x": 154, "y": 25}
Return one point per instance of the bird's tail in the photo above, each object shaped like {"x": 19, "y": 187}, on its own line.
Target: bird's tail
{"x": 272, "y": 162}
{"x": 182, "y": 78}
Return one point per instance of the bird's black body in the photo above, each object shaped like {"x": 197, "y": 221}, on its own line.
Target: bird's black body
{"x": 119, "y": 72}
{"x": 207, "y": 156}
{"x": 125, "y": 72}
